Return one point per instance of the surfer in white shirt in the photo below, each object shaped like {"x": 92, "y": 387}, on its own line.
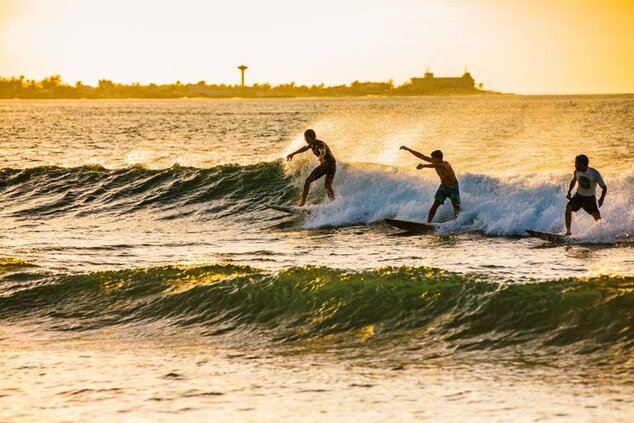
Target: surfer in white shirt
{"x": 585, "y": 197}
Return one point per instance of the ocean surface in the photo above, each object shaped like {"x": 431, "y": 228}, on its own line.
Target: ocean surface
{"x": 143, "y": 278}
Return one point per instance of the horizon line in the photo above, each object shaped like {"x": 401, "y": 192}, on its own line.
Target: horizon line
{"x": 260, "y": 84}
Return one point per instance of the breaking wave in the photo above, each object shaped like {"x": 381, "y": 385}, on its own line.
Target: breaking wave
{"x": 365, "y": 194}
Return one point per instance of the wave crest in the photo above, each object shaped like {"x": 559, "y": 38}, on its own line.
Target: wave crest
{"x": 302, "y": 303}
{"x": 365, "y": 194}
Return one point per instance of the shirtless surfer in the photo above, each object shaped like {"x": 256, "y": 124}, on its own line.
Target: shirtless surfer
{"x": 327, "y": 164}
{"x": 448, "y": 182}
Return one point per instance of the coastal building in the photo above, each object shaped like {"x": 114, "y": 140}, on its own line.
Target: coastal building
{"x": 430, "y": 84}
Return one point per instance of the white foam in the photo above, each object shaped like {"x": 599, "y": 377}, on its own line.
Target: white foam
{"x": 370, "y": 193}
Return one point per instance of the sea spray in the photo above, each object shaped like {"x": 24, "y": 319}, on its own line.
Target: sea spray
{"x": 369, "y": 194}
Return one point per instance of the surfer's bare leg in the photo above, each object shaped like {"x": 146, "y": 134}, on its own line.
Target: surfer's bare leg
{"x": 568, "y": 218}
{"x": 328, "y": 186}
{"x": 432, "y": 211}
{"x": 309, "y": 181}
{"x": 456, "y": 208}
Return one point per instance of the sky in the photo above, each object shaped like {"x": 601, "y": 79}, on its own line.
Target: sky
{"x": 528, "y": 47}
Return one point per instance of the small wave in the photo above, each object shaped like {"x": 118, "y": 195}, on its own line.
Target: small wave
{"x": 173, "y": 192}
{"x": 10, "y": 263}
{"x": 303, "y": 303}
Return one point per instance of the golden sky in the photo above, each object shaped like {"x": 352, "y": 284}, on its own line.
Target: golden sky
{"x": 531, "y": 46}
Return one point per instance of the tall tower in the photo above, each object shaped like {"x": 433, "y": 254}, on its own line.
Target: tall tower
{"x": 242, "y": 69}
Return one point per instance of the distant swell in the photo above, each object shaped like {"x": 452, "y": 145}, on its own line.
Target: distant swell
{"x": 461, "y": 310}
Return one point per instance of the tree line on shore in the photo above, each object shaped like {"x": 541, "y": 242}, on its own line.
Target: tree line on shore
{"x": 54, "y": 87}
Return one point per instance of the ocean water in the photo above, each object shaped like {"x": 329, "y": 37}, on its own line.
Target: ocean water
{"x": 143, "y": 278}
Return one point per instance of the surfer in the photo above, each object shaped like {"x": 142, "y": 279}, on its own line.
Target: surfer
{"x": 448, "y": 182}
{"x": 327, "y": 164}
{"x": 585, "y": 197}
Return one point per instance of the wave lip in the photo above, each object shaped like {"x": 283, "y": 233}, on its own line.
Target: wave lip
{"x": 303, "y": 303}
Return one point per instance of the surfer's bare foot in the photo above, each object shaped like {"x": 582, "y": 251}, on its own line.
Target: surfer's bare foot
{"x": 568, "y": 233}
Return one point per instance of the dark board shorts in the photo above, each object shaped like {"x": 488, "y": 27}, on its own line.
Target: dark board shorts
{"x": 588, "y": 203}
{"x": 451, "y": 192}
{"x": 326, "y": 168}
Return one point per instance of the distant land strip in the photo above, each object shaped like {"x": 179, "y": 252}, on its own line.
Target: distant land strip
{"x": 54, "y": 87}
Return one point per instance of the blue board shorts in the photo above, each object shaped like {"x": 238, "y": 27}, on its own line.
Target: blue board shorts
{"x": 447, "y": 191}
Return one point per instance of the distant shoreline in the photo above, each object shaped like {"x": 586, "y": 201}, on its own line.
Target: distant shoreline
{"x": 53, "y": 87}
{"x": 323, "y": 97}
{"x": 247, "y": 97}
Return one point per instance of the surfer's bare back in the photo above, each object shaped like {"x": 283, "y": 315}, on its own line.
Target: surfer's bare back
{"x": 448, "y": 182}
{"x": 327, "y": 164}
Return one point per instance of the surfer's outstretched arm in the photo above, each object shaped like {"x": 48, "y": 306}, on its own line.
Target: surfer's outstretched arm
{"x": 417, "y": 154}
{"x": 298, "y": 151}
{"x": 431, "y": 166}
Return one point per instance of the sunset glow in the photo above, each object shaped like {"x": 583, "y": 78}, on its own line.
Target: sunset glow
{"x": 531, "y": 47}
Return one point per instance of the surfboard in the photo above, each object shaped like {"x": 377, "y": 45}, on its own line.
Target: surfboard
{"x": 411, "y": 226}
{"x": 549, "y": 236}
{"x": 288, "y": 209}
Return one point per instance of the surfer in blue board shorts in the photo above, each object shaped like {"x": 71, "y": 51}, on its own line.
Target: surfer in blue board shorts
{"x": 448, "y": 182}
{"x": 327, "y": 164}
{"x": 585, "y": 197}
